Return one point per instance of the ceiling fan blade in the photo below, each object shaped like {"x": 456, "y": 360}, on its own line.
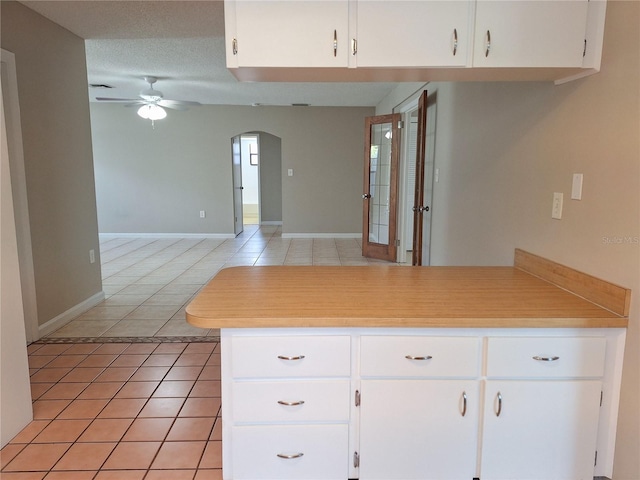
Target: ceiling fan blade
{"x": 105, "y": 99}
{"x": 135, "y": 103}
{"x": 174, "y": 107}
{"x": 171, "y": 103}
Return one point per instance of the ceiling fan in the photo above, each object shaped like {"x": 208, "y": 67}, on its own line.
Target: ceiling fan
{"x": 152, "y": 102}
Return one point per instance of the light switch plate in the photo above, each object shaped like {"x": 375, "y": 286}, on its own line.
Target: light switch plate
{"x": 576, "y": 187}
{"x": 556, "y": 209}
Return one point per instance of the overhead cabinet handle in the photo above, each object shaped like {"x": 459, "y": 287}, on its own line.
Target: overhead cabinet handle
{"x": 234, "y": 46}
{"x": 335, "y": 43}
{"x": 488, "y": 44}
{"x": 455, "y": 41}
{"x": 499, "y": 401}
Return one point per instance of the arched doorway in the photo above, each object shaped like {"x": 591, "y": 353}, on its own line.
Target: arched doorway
{"x": 257, "y": 179}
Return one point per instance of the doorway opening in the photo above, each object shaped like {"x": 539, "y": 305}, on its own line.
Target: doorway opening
{"x": 257, "y": 179}
{"x": 250, "y": 157}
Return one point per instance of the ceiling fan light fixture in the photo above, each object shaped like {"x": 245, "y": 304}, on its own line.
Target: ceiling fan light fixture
{"x": 152, "y": 112}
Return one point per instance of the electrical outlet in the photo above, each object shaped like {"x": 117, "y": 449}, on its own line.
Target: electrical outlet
{"x": 556, "y": 209}
{"x": 92, "y": 256}
{"x": 203, "y": 214}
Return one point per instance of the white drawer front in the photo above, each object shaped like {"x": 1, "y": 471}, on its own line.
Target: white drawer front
{"x": 386, "y": 356}
{"x": 291, "y": 401}
{"x": 545, "y": 357}
{"x": 291, "y": 356}
{"x": 316, "y": 452}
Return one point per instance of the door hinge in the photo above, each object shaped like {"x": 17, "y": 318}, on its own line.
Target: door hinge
{"x": 397, "y": 242}
{"x": 601, "y": 396}
{"x": 400, "y": 124}
{"x": 357, "y": 398}
{"x": 356, "y": 460}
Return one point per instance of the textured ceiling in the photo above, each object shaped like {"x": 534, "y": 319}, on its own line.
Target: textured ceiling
{"x": 181, "y": 43}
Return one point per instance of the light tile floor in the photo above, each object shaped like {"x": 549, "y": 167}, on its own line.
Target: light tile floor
{"x": 109, "y": 408}
{"x": 148, "y": 282}
{"x": 120, "y": 411}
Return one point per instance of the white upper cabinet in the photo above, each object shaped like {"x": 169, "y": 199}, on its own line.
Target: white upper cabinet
{"x": 287, "y": 33}
{"x": 530, "y": 33}
{"x": 413, "y": 40}
{"x": 409, "y": 33}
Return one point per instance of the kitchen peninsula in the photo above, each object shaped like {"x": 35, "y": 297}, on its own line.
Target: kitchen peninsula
{"x": 431, "y": 373}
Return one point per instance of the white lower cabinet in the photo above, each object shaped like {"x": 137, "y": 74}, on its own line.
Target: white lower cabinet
{"x": 418, "y": 429}
{"x": 536, "y": 430}
{"x": 542, "y": 407}
{"x": 296, "y": 452}
{"x": 430, "y": 404}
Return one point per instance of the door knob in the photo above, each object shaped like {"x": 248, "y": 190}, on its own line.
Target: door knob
{"x": 366, "y": 195}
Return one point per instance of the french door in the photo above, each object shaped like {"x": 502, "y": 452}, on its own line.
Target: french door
{"x": 379, "y": 225}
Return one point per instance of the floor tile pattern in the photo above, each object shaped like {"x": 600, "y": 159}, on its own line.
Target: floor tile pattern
{"x": 119, "y": 411}
{"x": 149, "y": 281}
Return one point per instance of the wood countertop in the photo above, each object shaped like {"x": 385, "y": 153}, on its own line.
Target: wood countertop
{"x": 391, "y": 296}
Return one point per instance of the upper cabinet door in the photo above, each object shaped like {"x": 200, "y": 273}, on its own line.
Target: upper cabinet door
{"x": 530, "y": 33}
{"x": 409, "y": 33}
{"x": 288, "y": 33}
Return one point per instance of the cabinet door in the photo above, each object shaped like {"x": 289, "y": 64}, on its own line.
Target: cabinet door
{"x": 530, "y": 33}
{"x": 540, "y": 429}
{"x": 287, "y": 33}
{"x": 402, "y": 33}
{"x": 418, "y": 429}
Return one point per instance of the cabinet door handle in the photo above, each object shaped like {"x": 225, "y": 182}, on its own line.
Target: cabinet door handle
{"x": 291, "y": 404}
{"x": 488, "y": 44}
{"x": 335, "y": 43}
{"x": 354, "y": 46}
{"x": 464, "y": 404}
{"x": 455, "y": 41}
{"x": 234, "y": 46}
{"x": 545, "y": 359}
{"x": 499, "y": 400}
{"x": 413, "y": 357}
{"x": 289, "y": 456}
{"x": 287, "y": 357}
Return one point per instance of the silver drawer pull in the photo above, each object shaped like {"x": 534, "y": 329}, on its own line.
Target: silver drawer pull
{"x": 499, "y": 400}
{"x": 413, "y": 357}
{"x": 291, "y": 404}
{"x": 464, "y": 404}
{"x": 546, "y": 359}
{"x": 289, "y": 456}
{"x": 286, "y": 357}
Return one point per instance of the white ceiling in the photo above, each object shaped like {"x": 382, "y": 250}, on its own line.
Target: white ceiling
{"x": 181, "y": 43}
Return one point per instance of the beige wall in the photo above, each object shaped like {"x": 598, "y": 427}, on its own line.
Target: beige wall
{"x": 502, "y": 149}
{"x": 157, "y": 181}
{"x": 54, "y": 109}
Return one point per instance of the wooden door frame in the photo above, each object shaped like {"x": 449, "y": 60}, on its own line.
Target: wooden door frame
{"x": 380, "y": 251}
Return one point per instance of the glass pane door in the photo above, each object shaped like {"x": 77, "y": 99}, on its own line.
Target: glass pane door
{"x": 380, "y": 187}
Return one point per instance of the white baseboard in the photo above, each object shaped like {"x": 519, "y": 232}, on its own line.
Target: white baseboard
{"x": 65, "y": 317}
{"x": 321, "y": 235}
{"x": 271, "y": 222}
{"x": 222, "y": 236}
